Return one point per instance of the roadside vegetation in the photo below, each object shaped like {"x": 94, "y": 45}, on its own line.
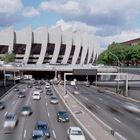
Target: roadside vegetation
{"x": 8, "y": 57}
{"x": 122, "y": 55}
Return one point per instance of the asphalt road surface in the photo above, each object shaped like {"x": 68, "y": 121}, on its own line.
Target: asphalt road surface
{"x": 109, "y": 108}
{"x": 42, "y": 110}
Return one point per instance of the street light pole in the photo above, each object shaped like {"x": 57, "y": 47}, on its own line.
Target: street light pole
{"x": 65, "y": 74}
{"x": 4, "y": 72}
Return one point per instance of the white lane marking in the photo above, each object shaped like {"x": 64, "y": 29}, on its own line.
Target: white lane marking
{"x": 54, "y": 134}
{"x": 30, "y": 103}
{"x": 117, "y": 120}
{"x": 5, "y": 113}
{"x": 137, "y": 118}
{"x": 46, "y": 104}
{"x": 24, "y": 133}
{"x": 48, "y": 114}
{"x": 13, "y": 102}
{"x": 86, "y": 98}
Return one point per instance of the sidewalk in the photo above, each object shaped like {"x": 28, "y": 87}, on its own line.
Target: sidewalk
{"x": 93, "y": 129}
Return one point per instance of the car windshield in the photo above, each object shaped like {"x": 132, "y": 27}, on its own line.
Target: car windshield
{"x": 76, "y": 132}
{"x": 54, "y": 98}
{"x": 9, "y": 117}
{"x": 65, "y": 114}
{"x": 26, "y": 108}
{"x": 42, "y": 126}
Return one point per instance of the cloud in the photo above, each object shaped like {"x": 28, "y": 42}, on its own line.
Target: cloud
{"x": 9, "y": 7}
{"x": 30, "y": 12}
{"x": 111, "y": 16}
{"x": 104, "y": 40}
{"x": 75, "y": 26}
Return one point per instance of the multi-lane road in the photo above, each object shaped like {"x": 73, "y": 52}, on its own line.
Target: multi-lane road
{"x": 42, "y": 110}
{"x": 110, "y": 109}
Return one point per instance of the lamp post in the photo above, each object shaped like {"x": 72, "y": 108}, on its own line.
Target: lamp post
{"x": 4, "y": 73}
{"x": 65, "y": 74}
{"x": 118, "y": 62}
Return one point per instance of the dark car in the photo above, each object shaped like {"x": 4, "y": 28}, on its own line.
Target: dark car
{"x": 21, "y": 95}
{"x": 38, "y": 135}
{"x": 26, "y": 111}
{"x": 49, "y": 92}
{"x": 42, "y": 125}
{"x": 2, "y": 105}
{"x": 62, "y": 116}
{"x": 29, "y": 86}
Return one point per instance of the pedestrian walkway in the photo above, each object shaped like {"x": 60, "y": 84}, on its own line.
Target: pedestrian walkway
{"x": 93, "y": 129}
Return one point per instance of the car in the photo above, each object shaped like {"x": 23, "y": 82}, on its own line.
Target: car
{"x": 43, "y": 126}
{"x": 10, "y": 120}
{"x": 76, "y": 92}
{"x": 36, "y": 95}
{"x": 38, "y": 135}
{"x": 21, "y": 95}
{"x": 62, "y": 116}
{"x": 2, "y": 105}
{"x": 29, "y": 86}
{"x": 75, "y": 133}
{"x": 26, "y": 111}
{"x": 49, "y": 92}
{"x": 47, "y": 85}
{"x": 54, "y": 100}
{"x": 16, "y": 89}
{"x": 130, "y": 107}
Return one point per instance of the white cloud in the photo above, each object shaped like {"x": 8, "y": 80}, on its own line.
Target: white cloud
{"x": 30, "y": 12}
{"x": 104, "y": 40}
{"x": 123, "y": 36}
{"x": 110, "y": 16}
{"x": 75, "y": 26}
{"x": 10, "y": 6}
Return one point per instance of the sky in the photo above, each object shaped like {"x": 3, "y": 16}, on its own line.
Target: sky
{"x": 108, "y": 20}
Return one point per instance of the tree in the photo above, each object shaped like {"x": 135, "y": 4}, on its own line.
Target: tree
{"x": 117, "y": 54}
{"x": 8, "y": 57}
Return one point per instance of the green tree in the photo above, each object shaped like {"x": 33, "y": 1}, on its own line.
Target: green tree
{"x": 8, "y": 57}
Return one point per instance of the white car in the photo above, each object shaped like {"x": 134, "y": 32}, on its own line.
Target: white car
{"x": 10, "y": 120}
{"x": 54, "y": 100}
{"x": 36, "y": 95}
{"x": 75, "y": 133}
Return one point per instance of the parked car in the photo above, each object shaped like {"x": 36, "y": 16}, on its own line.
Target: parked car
{"x": 36, "y": 95}
{"x": 2, "y": 105}
{"x": 26, "y": 111}
{"x": 38, "y": 135}
{"x": 62, "y": 116}
{"x": 75, "y": 133}
{"x": 10, "y": 120}
{"x": 43, "y": 126}
{"x": 54, "y": 100}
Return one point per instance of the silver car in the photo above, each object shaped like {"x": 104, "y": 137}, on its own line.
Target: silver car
{"x": 10, "y": 120}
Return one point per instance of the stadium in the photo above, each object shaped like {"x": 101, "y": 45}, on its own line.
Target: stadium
{"x": 49, "y": 50}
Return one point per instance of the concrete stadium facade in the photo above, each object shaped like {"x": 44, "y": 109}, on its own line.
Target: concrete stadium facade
{"x": 43, "y": 46}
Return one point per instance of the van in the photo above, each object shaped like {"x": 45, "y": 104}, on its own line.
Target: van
{"x": 36, "y": 95}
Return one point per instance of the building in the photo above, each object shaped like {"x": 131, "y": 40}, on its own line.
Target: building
{"x": 49, "y": 47}
{"x": 131, "y": 42}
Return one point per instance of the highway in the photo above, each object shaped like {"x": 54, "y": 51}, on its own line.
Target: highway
{"x": 42, "y": 110}
{"x": 109, "y": 109}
